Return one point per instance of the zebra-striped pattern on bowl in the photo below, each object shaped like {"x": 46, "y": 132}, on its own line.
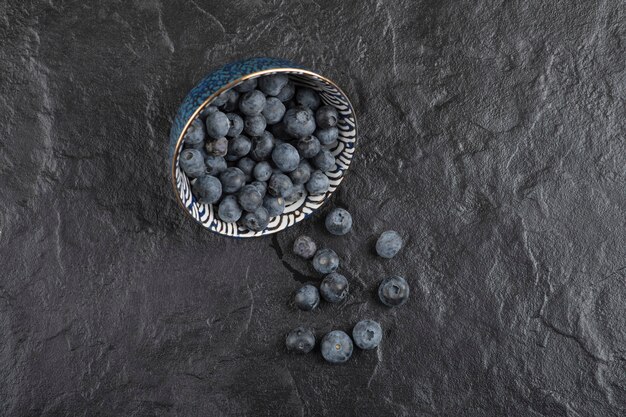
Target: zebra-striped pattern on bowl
{"x": 299, "y": 210}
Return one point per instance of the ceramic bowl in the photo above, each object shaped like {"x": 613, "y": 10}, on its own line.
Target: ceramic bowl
{"x": 227, "y": 77}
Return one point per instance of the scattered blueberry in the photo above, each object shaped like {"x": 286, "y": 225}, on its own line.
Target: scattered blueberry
{"x": 272, "y": 84}
{"x": 192, "y": 163}
{"x": 307, "y": 297}
{"x": 324, "y": 160}
{"x": 262, "y": 171}
{"x": 238, "y": 147}
{"x": 217, "y": 125}
{"x": 338, "y": 221}
{"x": 248, "y": 85}
{"x": 334, "y": 287}
{"x": 287, "y": 92}
{"x": 302, "y": 174}
{"x": 367, "y": 334}
{"x": 274, "y": 110}
{"x": 337, "y": 347}
{"x": 215, "y": 165}
{"x": 229, "y": 210}
{"x": 262, "y": 146}
{"x": 299, "y": 122}
{"x": 326, "y": 116}
{"x": 327, "y": 136}
{"x": 275, "y": 205}
{"x": 232, "y": 103}
{"x": 308, "y": 97}
{"x": 308, "y": 146}
{"x": 286, "y": 157}
{"x": 300, "y": 340}
{"x": 325, "y": 261}
{"x": 318, "y": 183}
{"x": 195, "y": 134}
{"x": 217, "y": 147}
{"x": 250, "y": 198}
{"x": 304, "y": 247}
{"x": 252, "y": 103}
{"x": 207, "y": 189}
{"x": 280, "y": 185}
{"x": 389, "y": 244}
{"x": 232, "y": 180}
{"x": 235, "y": 125}
{"x": 258, "y": 220}
{"x": 393, "y": 291}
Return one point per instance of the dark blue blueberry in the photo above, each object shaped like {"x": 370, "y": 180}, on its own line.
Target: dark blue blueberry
{"x": 235, "y": 125}
{"x": 229, "y": 210}
{"x": 248, "y": 85}
{"x": 286, "y": 157}
{"x": 217, "y": 147}
{"x": 389, "y": 244}
{"x": 280, "y": 185}
{"x": 258, "y": 220}
{"x": 337, "y": 347}
{"x": 367, "y": 334}
{"x": 217, "y": 125}
{"x": 304, "y": 247}
{"x": 326, "y": 116}
{"x": 327, "y": 136}
{"x": 206, "y": 111}
{"x": 192, "y": 163}
{"x": 325, "y": 261}
{"x": 215, "y": 165}
{"x": 232, "y": 180}
{"x": 298, "y": 192}
{"x": 318, "y": 183}
{"x": 262, "y": 146}
{"x": 195, "y": 134}
{"x": 287, "y": 92}
{"x": 252, "y": 103}
{"x": 275, "y": 205}
{"x": 300, "y": 340}
{"x": 338, "y": 221}
{"x": 254, "y": 125}
{"x": 261, "y": 186}
{"x": 272, "y": 84}
{"x": 250, "y": 198}
{"x": 262, "y": 171}
{"x": 308, "y": 146}
{"x": 238, "y": 147}
{"x": 274, "y": 110}
{"x": 324, "y": 160}
{"x": 308, "y": 98}
{"x": 246, "y": 165}
{"x": 232, "y": 103}
{"x": 207, "y": 189}
{"x": 334, "y": 287}
{"x": 301, "y": 174}
{"x": 220, "y": 100}
{"x": 307, "y": 297}
{"x": 299, "y": 122}
{"x": 393, "y": 291}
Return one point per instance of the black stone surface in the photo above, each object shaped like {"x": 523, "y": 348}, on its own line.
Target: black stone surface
{"x": 492, "y": 136}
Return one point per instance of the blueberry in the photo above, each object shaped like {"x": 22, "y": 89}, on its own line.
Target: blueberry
{"x": 217, "y": 147}
{"x": 195, "y": 134}
{"x": 327, "y": 136}
{"x": 232, "y": 180}
{"x": 220, "y": 100}
{"x": 261, "y": 186}
{"x": 307, "y": 297}
{"x": 229, "y": 210}
{"x": 246, "y": 165}
{"x": 308, "y": 97}
{"x": 262, "y": 146}
{"x": 300, "y": 340}
{"x": 326, "y": 116}
{"x": 252, "y": 103}
{"x": 275, "y": 205}
{"x": 338, "y": 222}
{"x": 255, "y": 125}
{"x": 238, "y": 147}
{"x": 324, "y": 160}
{"x": 192, "y": 163}
{"x": 258, "y": 220}
{"x": 325, "y": 261}
{"x": 215, "y": 165}
{"x": 248, "y": 85}
{"x": 304, "y": 247}
{"x": 280, "y": 185}
{"x": 262, "y": 171}
{"x": 318, "y": 183}
{"x": 301, "y": 174}
{"x": 206, "y": 111}
{"x": 272, "y": 84}
{"x": 287, "y": 92}
{"x": 299, "y": 122}
{"x": 367, "y": 334}
{"x": 337, "y": 347}
{"x": 232, "y": 103}
{"x": 250, "y": 198}
{"x": 334, "y": 287}
{"x": 278, "y": 130}
{"x": 393, "y": 291}
{"x": 235, "y": 125}
{"x": 286, "y": 157}
{"x": 389, "y": 244}
{"x": 217, "y": 125}
{"x": 298, "y": 192}
{"x": 330, "y": 146}
{"x": 207, "y": 189}
{"x": 274, "y": 110}
{"x": 308, "y": 146}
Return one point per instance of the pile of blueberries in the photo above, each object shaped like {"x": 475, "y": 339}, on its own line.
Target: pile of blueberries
{"x": 259, "y": 146}
{"x": 393, "y": 291}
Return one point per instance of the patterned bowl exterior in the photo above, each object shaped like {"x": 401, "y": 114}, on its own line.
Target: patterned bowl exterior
{"x": 227, "y": 77}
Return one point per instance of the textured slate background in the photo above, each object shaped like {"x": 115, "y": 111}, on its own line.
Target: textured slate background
{"x": 492, "y": 135}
